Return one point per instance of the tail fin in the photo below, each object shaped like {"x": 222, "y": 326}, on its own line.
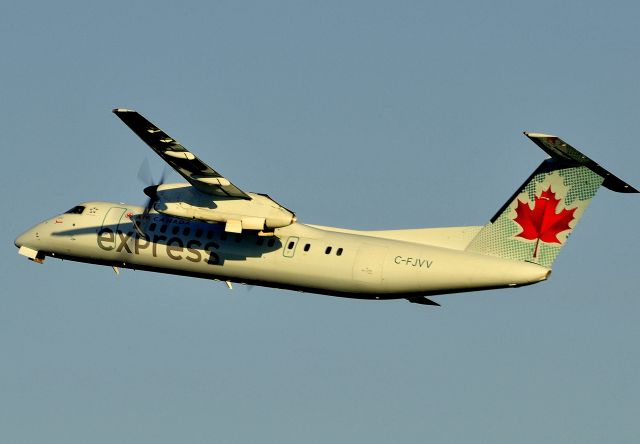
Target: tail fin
{"x": 534, "y": 224}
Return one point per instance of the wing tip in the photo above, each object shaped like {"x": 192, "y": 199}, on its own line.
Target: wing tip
{"x": 122, "y": 110}
{"x": 538, "y": 135}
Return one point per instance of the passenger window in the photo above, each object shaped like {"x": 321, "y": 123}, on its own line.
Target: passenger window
{"x": 307, "y": 247}
{"x": 163, "y": 228}
{"x": 328, "y": 250}
{"x": 339, "y": 252}
{"x": 186, "y": 231}
{"x": 152, "y": 227}
{"x": 175, "y": 229}
{"x": 199, "y": 232}
{"x": 290, "y": 246}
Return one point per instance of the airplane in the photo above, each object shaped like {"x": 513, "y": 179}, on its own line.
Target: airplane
{"x": 209, "y": 228}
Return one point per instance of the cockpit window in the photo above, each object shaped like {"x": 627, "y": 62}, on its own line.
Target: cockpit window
{"x": 78, "y": 209}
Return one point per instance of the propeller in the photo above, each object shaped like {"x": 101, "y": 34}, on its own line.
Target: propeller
{"x": 151, "y": 190}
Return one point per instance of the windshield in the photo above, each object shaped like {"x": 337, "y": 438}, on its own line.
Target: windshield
{"x": 78, "y": 209}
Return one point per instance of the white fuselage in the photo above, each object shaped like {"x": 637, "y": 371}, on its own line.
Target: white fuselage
{"x": 359, "y": 264}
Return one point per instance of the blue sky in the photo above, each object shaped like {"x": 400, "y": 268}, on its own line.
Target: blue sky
{"x": 364, "y": 115}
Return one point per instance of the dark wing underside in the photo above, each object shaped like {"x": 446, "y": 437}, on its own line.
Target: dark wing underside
{"x": 199, "y": 174}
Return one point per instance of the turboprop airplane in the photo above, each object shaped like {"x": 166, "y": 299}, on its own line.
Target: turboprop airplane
{"x": 209, "y": 228}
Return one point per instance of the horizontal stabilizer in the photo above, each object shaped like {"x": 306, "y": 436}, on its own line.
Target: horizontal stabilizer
{"x": 560, "y": 150}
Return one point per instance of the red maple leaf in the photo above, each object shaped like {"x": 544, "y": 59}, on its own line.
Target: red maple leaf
{"x": 542, "y": 223}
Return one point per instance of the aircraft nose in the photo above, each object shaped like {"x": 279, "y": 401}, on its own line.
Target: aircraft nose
{"x": 25, "y": 239}
{"x": 28, "y": 243}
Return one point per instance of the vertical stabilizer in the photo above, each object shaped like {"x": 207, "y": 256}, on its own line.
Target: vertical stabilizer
{"x": 534, "y": 224}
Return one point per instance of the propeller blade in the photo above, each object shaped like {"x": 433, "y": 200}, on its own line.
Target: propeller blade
{"x": 144, "y": 173}
{"x": 151, "y": 190}
{"x": 151, "y": 201}
{"x": 165, "y": 173}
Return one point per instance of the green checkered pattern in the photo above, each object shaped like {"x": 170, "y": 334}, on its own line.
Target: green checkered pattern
{"x": 574, "y": 186}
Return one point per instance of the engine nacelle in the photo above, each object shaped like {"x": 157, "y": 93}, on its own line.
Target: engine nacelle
{"x": 260, "y": 213}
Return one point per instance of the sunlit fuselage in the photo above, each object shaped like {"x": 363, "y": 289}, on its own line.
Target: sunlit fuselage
{"x": 299, "y": 257}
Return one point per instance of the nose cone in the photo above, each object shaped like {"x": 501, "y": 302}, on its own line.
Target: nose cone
{"x": 26, "y": 239}
{"x": 28, "y": 243}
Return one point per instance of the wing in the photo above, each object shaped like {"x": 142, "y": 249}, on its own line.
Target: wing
{"x": 199, "y": 174}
